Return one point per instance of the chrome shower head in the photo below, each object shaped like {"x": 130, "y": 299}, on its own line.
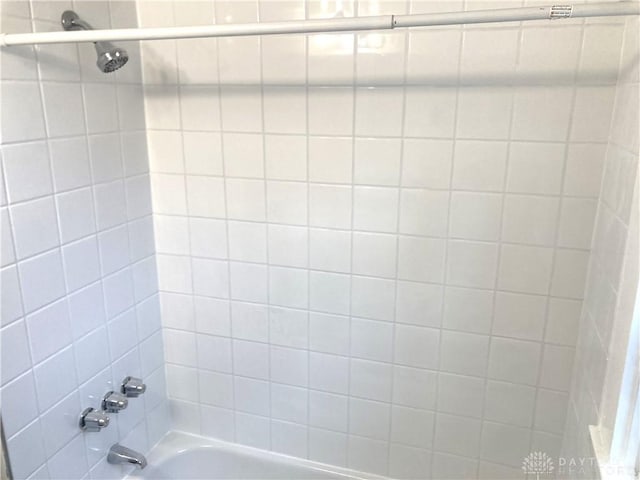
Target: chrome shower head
{"x": 110, "y": 57}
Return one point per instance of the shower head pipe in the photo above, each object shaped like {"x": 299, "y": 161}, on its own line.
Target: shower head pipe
{"x": 110, "y": 57}
{"x": 384, "y": 22}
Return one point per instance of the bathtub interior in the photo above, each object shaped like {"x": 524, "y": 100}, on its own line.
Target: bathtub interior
{"x": 185, "y": 456}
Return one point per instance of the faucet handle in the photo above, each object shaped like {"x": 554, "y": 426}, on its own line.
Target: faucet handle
{"x": 133, "y": 387}
{"x": 92, "y": 420}
{"x": 114, "y": 402}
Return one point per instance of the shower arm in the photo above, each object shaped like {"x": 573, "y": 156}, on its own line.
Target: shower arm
{"x": 383, "y": 22}
{"x": 71, "y": 22}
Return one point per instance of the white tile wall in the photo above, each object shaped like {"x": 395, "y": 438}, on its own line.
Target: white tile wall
{"x": 349, "y": 228}
{"x": 391, "y": 228}
{"x": 80, "y": 304}
{"x": 612, "y": 278}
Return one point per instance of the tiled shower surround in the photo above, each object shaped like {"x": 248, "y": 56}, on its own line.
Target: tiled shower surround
{"x": 372, "y": 247}
{"x": 612, "y": 283}
{"x": 80, "y": 308}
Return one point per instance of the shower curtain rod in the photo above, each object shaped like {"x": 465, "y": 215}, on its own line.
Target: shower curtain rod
{"x": 383, "y": 22}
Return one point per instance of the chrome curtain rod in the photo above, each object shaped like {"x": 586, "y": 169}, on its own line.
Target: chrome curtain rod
{"x": 383, "y": 22}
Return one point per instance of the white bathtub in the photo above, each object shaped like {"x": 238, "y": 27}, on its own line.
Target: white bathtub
{"x": 182, "y": 456}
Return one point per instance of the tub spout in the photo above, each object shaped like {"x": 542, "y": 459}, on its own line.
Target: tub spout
{"x": 119, "y": 454}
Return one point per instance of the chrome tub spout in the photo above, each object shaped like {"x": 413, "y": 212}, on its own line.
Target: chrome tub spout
{"x": 122, "y": 455}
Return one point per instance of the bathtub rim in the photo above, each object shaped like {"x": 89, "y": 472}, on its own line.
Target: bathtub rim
{"x": 176, "y": 442}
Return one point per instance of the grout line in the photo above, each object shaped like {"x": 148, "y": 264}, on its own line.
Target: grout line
{"x": 354, "y": 91}
{"x": 554, "y": 253}
{"x": 266, "y": 240}
{"x": 500, "y": 246}
{"x": 405, "y": 67}
{"x": 308, "y": 233}
{"x": 227, "y": 237}
{"x": 456, "y": 106}
{"x": 383, "y": 322}
{"x": 64, "y": 298}
{"x": 187, "y": 223}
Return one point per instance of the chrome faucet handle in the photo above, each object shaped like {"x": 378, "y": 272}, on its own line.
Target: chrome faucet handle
{"x": 92, "y": 420}
{"x": 114, "y": 402}
{"x": 133, "y": 387}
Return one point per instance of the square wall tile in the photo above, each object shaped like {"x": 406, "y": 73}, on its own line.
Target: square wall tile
{"x": 372, "y": 298}
{"x": 328, "y": 411}
{"x": 243, "y": 155}
{"x": 421, "y": 259}
{"x": 285, "y": 157}
{"x": 429, "y": 112}
{"x": 504, "y": 444}
{"x": 328, "y": 373}
{"x": 464, "y": 353}
{"x": 70, "y": 163}
{"x": 484, "y": 112}
{"x": 419, "y": 304}
{"x": 479, "y": 165}
{"x": 426, "y": 163}
{"x": 41, "y": 280}
{"x": 471, "y": 264}
{"x": 63, "y": 109}
{"x": 416, "y": 346}
{"x": 423, "y": 212}
{"x": 371, "y": 340}
{"x": 377, "y": 161}
{"x": 330, "y": 103}
{"x": 35, "y": 227}
{"x": 22, "y": 115}
{"x": 288, "y": 245}
{"x": 27, "y": 171}
{"x": 519, "y": 316}
{"x": 287, "y": 202}
{"x": 475, "y": 216}
{"x": 468, "y": 310}
{"x": 49, "y": 330}
{"x": 330, "y": 159}
{"x": 412, "y": 427}
{"x": 457, "y": 435}
{"x": 379, "y": 111}
{"x": 289, "y": 366}
{"x": 510, "y": 403}
{"x": 514, "y": 360}
{"x": 460, "y": 395}
{"x": 414, "y": 387}
{"x": 329, "y": 333}
{"x": 330, "y": 206}
{"x": 541, "y": 113}
{"x": 530, "y": 220}
{"x": 375, "y": 209}
{"x": 535, "y": 167}
{"x": 525, "y": 269}
{"x": 373, "y": 254}
{"x": 202, "y": 153}
{"x": 285, "y": 109}
{"x": 16, "y": 357}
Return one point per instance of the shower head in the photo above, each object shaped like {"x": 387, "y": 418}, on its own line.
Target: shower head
{"x": 110, "y": 57}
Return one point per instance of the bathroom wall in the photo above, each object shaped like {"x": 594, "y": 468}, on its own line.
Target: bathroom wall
{"x": 612, "y": 284}
{"x": 372, "y": 247}
{"x": 80, "y": 307}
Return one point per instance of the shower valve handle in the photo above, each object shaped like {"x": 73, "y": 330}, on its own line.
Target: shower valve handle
{"x": 92, "y": 420}
{"x": 133, "y": 387}
{"x": 114, "y": 402}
